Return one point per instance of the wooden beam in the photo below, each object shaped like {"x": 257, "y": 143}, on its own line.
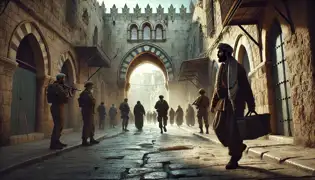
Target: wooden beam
{"x": 243, "y": 22}
{"x": 253, "y": 4}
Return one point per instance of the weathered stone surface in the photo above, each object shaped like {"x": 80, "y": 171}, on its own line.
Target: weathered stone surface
{"x": 185, "y": 173}
{"x": 154, "y": 165}
{"x": 156, "y": 175}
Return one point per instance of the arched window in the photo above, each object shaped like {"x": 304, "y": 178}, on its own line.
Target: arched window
{"x": 146, "y": 32}
{"x": 159, "y": 32}
{"x": 95, "y": 36}
{"x": 134, "y": 32}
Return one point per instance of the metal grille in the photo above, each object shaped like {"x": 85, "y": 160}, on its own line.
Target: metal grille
{"x": 282, "y": 89}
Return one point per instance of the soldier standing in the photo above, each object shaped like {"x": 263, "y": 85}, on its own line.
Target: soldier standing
{"x": 87, "y": 104}
{"x": 102, "y": 115}
{"x": 112, "y": 114}
{"x": 124, "y": 110}
{"x": 172, "y": 116}
{"x": 58, "y": 96}
{"x": 202, "y": 103}
{"x": 162, "y": 108}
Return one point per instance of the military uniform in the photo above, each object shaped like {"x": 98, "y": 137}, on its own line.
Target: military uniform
{"x": 162, "y": 108}
{"x": 202, "y": 103}
{"x": 125, "y": 110}
{"x": 87, "y": 110}
{"x": 58, "y": 114}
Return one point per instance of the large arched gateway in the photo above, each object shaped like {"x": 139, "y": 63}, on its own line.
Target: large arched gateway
{"x": 140, "y": 54}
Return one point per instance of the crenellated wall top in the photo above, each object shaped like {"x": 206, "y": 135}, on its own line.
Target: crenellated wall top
{"x": 148, "y": 10}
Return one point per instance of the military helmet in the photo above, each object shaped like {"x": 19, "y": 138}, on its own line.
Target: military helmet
{"x": 202, "y": 91}
{"x": 88, "y": 83}
{"x": 60, "y": 75}
{"x": 161, "y": 96}
{"x": 126, "y": 99}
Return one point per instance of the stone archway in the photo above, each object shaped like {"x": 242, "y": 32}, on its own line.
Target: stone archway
{"x": 28, "y": 48}
{"x": 135, "y": 55}
{"x": 66, "y": 66}
{"x": 242, "y": 48}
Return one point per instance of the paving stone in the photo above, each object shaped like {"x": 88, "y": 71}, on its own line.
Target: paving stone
{"x": 182, "y": 166}
{"x": 154, "y": 165}
{"x": 140, "y": 170}
{"x": 185, "y": 173}
{"x": 155, "y": 175}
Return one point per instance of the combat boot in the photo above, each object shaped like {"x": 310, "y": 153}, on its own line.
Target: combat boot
{"x": 93, "y": 141}
{"x": 85, "y": 142}
{"x": 62, "y": 144}
{"x": 55, "y": 146}
{"x": 201, "y": 130}
{"x": 161, "y": 130}
{"x": 207, "y": 130}
{"x": 165, "y": 130}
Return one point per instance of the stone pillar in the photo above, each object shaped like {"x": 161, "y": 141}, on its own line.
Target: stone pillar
{"x": 153, "y": 34}
{"x": 140, "y": 35}
{"x": 44, "y": 118}
{"x": 164, "y": 34}
{"x": 7, "y": 68}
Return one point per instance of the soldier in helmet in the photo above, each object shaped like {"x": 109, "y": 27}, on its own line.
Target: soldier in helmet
{"x": 124, "y": 111}
{"x": 87, "y": 104}
{"x": 162, "y": 108}
{"x": 202, "y": 103}
{"x": 58, "y": 96}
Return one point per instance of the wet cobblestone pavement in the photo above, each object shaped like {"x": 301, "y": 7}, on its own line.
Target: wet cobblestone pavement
{"x": 151, "y": 155}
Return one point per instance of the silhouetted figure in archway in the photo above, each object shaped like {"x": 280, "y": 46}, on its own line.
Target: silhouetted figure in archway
{"x": 139, "y": 112}
{"x": 102, "y": 115}
{"x": 154, "y": 117}
{"x": 190, "y": 116}
{"x": 162, "y": 108}
{"x": 202, "y": 104}
{"x": 172, "y": 116}
{"x": 112, "y": 114}
{"x": 124, "y": 111}
{"x": 179, "y": 116}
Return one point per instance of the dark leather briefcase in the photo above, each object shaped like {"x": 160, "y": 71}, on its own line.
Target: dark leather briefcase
{"x": 253, "y": 125}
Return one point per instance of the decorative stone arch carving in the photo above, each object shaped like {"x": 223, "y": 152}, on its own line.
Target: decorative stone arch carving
{"x": 129, "y": 30}
{"x": 22, "y": 30}
{"x": 132, "y": 25}
{"x": 160, "y": 24}
{"x": 146, "y": 23}
{"x": 145, "y": 48}
{"x": 68, "y": 57}
{"x": 242, "y": 40}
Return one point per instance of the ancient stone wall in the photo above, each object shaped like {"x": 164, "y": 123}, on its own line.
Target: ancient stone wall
{"x": 56, "y": 37}
{"x": 297, "y": 52}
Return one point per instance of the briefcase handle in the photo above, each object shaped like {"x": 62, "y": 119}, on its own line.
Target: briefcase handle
{"x": 250, "y": 113}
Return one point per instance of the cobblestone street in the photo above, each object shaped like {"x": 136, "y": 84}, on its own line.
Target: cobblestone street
{"x": 150, "y": 155}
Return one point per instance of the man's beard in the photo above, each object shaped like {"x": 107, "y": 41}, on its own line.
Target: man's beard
{"x": 222, "y": 58}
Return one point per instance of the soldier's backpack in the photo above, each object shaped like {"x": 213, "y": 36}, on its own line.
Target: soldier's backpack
{"x": 80, "y": 101}
{"x": 51, "y": 93}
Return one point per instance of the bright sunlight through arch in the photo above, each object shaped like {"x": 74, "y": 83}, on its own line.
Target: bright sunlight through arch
{"x": 147, "y": 82}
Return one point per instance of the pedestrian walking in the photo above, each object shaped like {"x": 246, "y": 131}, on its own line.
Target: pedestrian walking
{"x": 112, "y": 114}
{"x": 102, "y": 115}
{"x": 179, "y": 116}
{"x": 232, "y": 92}
{"x": 139, "y": 112}
{"x": 202, "y": 104}
{"x": 162, "y": 107}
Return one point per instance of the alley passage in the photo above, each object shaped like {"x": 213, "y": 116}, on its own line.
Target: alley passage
{"x": 150, "y": 155}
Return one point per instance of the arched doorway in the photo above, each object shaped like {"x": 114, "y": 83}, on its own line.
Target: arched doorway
{"x": 280, "y": 82}
{"x": 24, "y": 90}
{"x": 244, "y": 59}
{"x": 69, "y": 115}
